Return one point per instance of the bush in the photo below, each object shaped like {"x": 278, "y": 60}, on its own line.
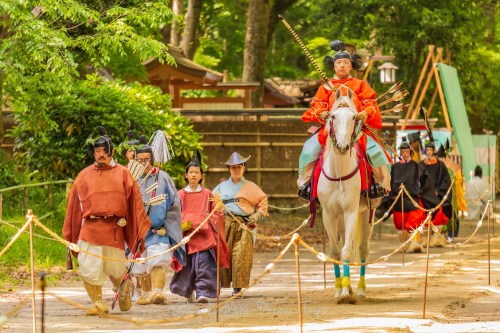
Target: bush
{"x": 116, "y": 105}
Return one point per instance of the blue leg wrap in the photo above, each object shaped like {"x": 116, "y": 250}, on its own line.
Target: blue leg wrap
{"x": 346, "y": 268}
{"x": 362, "y": 270}
{"x": 336, "y": 270}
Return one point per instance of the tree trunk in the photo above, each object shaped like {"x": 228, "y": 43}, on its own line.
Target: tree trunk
{"x": 190, "y": 41}
{"x": 254, "y": 61}
{"x": 175, "y": 31}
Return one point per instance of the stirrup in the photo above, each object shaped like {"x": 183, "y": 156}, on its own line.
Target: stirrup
{"x": 305, "y": 192}
{"x": 377, "y": 191}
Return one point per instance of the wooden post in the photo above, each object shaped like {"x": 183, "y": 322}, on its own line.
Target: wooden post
{"x": 219, "y": 218}
{"x": 429, "y": 227}
{"x": 297, "y": 266}
{"x": 488, "y": 205}
{"x": 430, "y": 74}
{"x": 1, "y": 206}
{"x": 403, "y": 226}
{"x": 417, "y": 88}
{"x": 443, "y": 99}
{"x": 431, "y": 104}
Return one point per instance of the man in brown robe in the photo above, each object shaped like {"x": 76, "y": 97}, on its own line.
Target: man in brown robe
{"x": 105, "y": 212}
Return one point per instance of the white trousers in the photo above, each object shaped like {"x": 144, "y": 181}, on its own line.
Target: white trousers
{"x": 95, "y": 270}
{"x": 163, "y": 260}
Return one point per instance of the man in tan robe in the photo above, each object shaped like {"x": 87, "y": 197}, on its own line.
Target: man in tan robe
{"x": 248, "y": 203}
{"x": 104, "y": 213}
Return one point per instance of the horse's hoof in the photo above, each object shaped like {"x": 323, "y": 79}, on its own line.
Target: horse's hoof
{"x": 362, "y": 293}
{"x": 338, "y": 293}
{"x": 346, "y": 291}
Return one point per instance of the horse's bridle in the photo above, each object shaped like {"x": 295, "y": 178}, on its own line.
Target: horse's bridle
{"x": 356, "y": 134}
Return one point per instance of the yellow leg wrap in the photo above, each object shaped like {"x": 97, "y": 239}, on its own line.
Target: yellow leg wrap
{"x": 346, "y": 281}
{"x": 362, "y": 283}
{"x": 338, "y": 283}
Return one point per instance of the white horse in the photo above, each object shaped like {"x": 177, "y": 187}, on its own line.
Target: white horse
{"x": 345, "y": 212}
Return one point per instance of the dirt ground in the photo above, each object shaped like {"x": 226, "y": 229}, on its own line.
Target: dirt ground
{"x": 459, "y": 297}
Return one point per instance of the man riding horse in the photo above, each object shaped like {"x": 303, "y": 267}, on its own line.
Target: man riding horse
{"x": 368, "y": 112}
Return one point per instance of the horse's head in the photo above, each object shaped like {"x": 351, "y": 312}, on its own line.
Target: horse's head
{"x": 342, "y": 122}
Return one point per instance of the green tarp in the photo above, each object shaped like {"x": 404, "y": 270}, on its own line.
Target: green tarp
{"x": 458, "y": 116}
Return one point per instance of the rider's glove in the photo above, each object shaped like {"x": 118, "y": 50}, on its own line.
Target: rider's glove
{"x": 324, "y": 114}
{"x": 363, "y": 116}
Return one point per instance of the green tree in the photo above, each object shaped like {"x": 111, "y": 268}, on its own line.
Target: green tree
{"x": 466, "y": 28}
{"x": 50, "y": 59}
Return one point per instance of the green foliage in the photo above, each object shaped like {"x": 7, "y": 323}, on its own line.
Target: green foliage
{"x": 468, "y": 29}
{"x": 48, "y": 60}
{"x": 9, "y": 176}
{"x": 113, "y": 104}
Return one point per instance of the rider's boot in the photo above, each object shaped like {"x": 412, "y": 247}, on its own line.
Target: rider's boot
{"x": 124, "y": 297}
{"x": 146, "y": 290}
{"x": 95, "y": 293}
{"x": 305, "y": 191}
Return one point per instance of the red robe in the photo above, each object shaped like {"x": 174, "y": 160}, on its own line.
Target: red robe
{"x": 195, "y": 207}
{"x": 364, "y": 100}
{"x": 105, "y": 191}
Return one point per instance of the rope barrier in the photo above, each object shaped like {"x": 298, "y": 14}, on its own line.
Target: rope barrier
{"x": 15, "y": 237}
{"x": 432, "y": 210}
{"x": 323, "y": 257}
{"x": 386, "y": 214}
{"x": 296, "y": 239}
{"x": 202, "y": 312}
{"x": 403, "y": 190}
{"x": 289, "y": 208}
{"x": 495, "y": 216}
{"x": 274, "y": 238}
{"x": 478, "y": 225}
{"x": 13, "y": 226}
